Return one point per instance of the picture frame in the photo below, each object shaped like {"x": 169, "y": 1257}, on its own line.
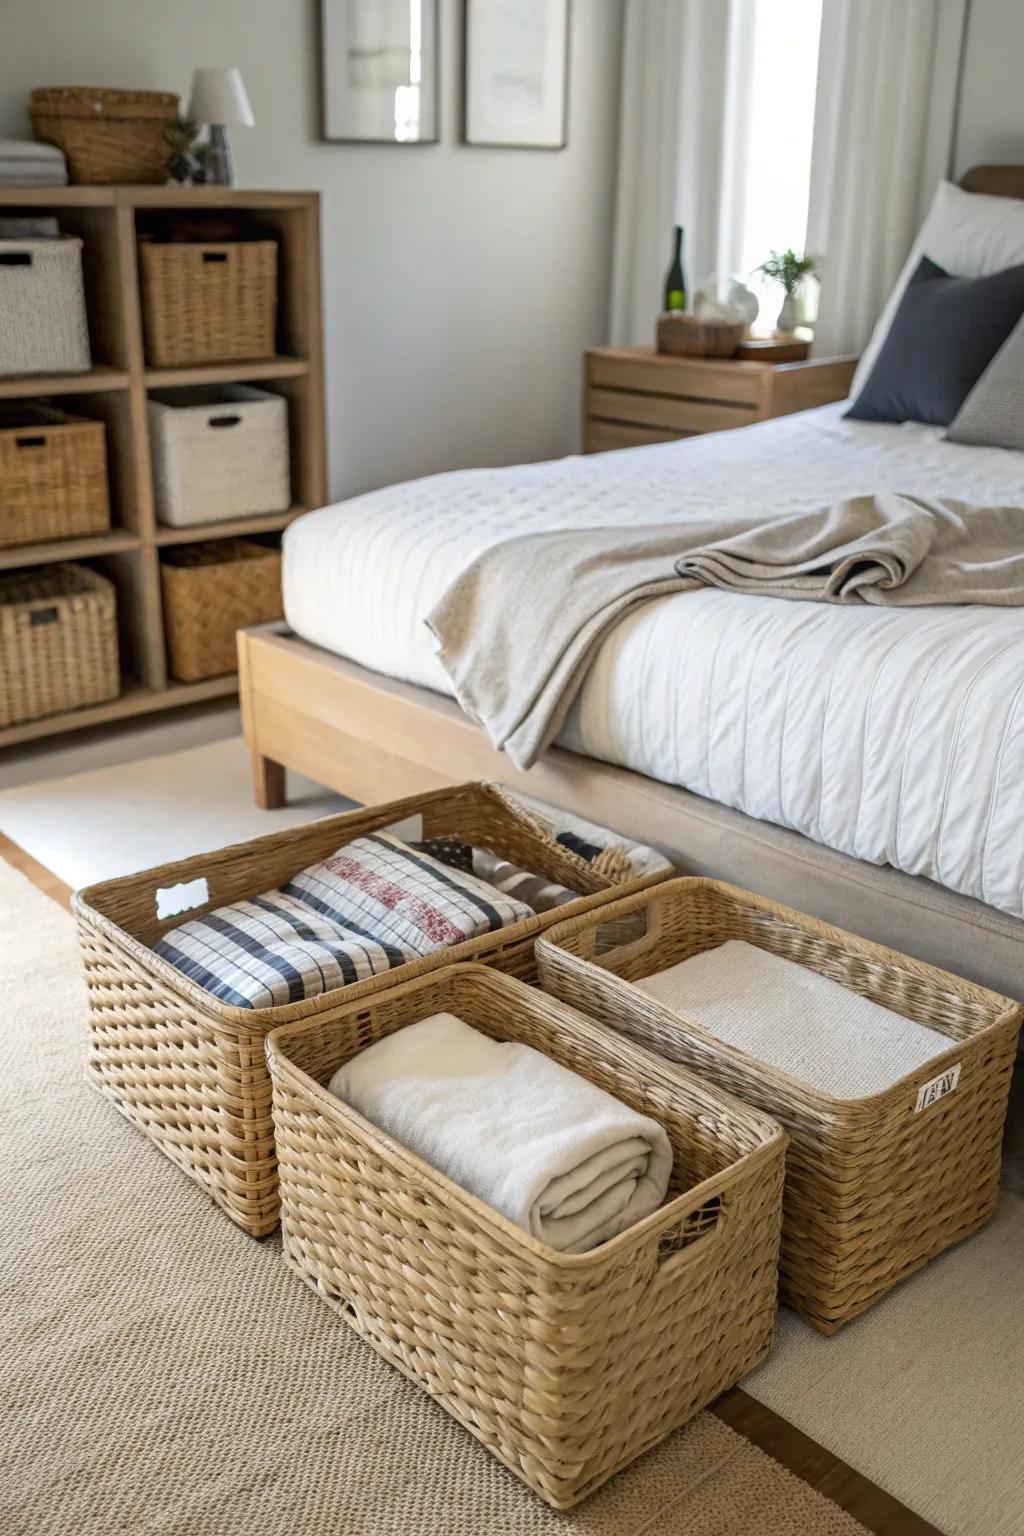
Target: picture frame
{"x": 379, "y": 71}
{"x": 515, "y": 73}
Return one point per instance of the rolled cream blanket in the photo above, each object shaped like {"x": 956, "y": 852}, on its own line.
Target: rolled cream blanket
{"x": 549, "y": 1150}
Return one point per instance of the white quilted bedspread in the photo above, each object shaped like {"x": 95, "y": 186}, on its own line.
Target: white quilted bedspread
{"x": 896, "y": 736}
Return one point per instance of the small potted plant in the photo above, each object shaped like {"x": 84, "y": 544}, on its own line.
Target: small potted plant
{"x": 790, "y": 270}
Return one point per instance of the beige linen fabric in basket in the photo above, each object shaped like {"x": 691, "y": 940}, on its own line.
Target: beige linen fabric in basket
{"x": 782, "y": 1013}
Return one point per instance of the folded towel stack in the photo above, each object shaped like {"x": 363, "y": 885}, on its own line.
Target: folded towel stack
{"x": 788, "y": 1017}
{"x": 26, "y": 163}
{"x": 546, "y": 1148}
{"x": 373, "y": 905}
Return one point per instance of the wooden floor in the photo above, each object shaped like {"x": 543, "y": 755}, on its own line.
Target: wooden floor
{"x": 809, "y": 1461}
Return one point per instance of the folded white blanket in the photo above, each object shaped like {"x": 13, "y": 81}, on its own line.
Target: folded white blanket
{"x": 789, "y": 1017}
{"x": 549, "y": 1150}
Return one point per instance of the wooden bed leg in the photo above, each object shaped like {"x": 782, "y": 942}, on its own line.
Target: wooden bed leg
{"x": 267, "y": 782}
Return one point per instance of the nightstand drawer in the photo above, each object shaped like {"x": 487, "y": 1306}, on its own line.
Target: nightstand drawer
{"x": 602, "y": 436}
{"x": 674, "y": 413}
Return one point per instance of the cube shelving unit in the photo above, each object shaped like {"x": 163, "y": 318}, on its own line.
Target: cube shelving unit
{"x": 115, "y": 390}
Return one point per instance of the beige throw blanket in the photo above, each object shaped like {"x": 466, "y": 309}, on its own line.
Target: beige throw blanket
{"x": 518, "y": 629}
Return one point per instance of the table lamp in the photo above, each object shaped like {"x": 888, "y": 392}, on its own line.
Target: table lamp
{"x": 219, "y": 98}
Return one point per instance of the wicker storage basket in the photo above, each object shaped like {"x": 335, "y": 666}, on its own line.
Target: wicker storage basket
{"x": 566, "y": 1367}
{"x": 876, "y": 1186}
{"x": 686, "y": 336}
{"x": 107, "y": 136}
{"x": 189, "y": 1069}
{"x": 218, "y": 451}
{"x": 214, "y": 303}
{"x": 58, "y": 641}
{"x": 43, "y": 327}
{"x": 53, "y": 475}
{"x": 210, "y": 592}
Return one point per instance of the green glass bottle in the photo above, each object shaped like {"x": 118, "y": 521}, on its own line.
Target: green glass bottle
{"x": 675, "y": 282}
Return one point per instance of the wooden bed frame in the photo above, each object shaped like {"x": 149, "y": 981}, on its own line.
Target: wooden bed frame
{"x": 373, "y": 738}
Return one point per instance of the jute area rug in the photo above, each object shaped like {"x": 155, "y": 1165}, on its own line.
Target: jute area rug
{"x": 161, "y": 1373}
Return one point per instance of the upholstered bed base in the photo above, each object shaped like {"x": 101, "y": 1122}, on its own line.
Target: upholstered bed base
{"x": 372, "y": 738}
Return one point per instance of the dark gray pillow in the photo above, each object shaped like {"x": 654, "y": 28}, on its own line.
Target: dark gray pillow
{"x": 992, "y": 416}
{"x": 943, "y": 336}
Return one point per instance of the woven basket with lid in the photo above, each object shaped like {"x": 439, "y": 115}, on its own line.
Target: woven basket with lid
{"x": 106, "y": 135}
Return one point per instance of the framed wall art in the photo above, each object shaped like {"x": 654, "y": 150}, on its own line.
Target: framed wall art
{"x": 516, "y": 73}
{"x": 379, "y": 71}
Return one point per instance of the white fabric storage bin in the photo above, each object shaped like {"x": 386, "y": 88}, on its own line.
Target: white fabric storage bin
{"x": 218, "y": 451}
{"x": 43, "y": 327}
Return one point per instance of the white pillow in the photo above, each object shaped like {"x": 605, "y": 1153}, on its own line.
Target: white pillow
{"x": 967, "y": 233}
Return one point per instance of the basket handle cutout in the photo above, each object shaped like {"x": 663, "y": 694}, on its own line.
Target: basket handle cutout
{"x": 30, "y": 442}
{"x": 677, "y": 1243}
{"x": 172, "y": 900}
{"x": 223, "y": 421}
{"x": 15, "y": 258}
{"x": 41, "y": 616}
{"x": 209, "y": 256}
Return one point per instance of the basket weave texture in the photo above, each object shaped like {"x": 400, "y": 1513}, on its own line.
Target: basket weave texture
{"x": 875, "y": 1187}
{"x": 212, "y": 303}
{"x": 210, "y": 592}
{"x": 58, "y": 641}
{"x": 43, "y": 323}
{"x": 189, "y": 1069}
{"x": 566, "y": 1368}
{"x": 106, "y": 135}
{"x": 686, "y": 336}
{"x": 53, "y": 475}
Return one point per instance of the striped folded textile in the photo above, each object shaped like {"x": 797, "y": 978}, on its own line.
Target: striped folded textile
{"x": 374, "y": 904}
{"x": 536, "y": 890}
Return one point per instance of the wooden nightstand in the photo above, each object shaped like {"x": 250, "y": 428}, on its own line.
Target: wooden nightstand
{"x": 635, "y": 395}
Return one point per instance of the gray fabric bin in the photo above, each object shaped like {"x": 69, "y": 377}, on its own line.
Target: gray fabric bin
{"x": 43, "y": 326}
{"x": 218, "y": 451}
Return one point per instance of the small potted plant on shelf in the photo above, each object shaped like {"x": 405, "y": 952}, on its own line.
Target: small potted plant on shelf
{"x": 790, "y": 270}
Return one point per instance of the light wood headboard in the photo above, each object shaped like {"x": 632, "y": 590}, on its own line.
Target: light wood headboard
{"x": 996, "y": 180}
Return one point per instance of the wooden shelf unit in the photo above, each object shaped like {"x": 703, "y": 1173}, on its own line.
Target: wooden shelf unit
{"x": 116, "y": 388}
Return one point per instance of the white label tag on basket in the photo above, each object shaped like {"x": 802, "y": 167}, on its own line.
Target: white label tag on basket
{"x": 938, "y": 1088}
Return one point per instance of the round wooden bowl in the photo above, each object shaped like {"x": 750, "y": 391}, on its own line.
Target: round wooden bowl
{"x": 686, "y": 336}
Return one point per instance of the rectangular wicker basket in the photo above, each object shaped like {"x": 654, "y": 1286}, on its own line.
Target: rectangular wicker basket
{"x": 43, "y": 322}
{"x": 58, "y": 641}
{"x": 189, "y": 1069}
{"x": 876, "y": 1186}
{"x": 107, "y": 135}
{"x": 208, "y": 303}
{"x": 566, "y": 1367}
{"x": 53, "y": 475}
{"x": 210, "y": 592}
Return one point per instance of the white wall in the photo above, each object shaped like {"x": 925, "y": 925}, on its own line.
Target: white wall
{"x": 460, "y": 285}
{"x": 991, "y": 120}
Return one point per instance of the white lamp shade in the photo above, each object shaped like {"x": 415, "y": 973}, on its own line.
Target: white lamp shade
{"x": 219, "y": 96}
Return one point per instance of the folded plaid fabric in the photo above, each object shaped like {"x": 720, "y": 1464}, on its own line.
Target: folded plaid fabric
{"x": 373, "y": 905}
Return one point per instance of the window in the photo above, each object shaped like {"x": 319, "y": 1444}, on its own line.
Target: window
{"x": 774, "y": 66}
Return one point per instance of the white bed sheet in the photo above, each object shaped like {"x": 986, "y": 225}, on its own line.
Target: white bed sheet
{"x": 896, "y": 736}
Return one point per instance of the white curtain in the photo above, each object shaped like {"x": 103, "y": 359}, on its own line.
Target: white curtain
{"x": 681, "y": 100}
{"x": 870, "y": 142}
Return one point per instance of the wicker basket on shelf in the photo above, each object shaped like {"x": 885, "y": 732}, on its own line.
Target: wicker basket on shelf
{"x": 58, "y": 641}
{"x": 211, "y": 591}
{"x": 875, "y": 1186}
{"x": 208, "y": 303}
{"x": 686, "y": 336}
{"x": 106, "y": 135}
{"x": 53, "y": 475}
{"x": 566, "y": 1367}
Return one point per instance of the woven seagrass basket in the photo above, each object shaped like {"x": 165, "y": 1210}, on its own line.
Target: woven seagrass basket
{"x": 208, "y": 303}
{"x": 210, "y": 592}
{"x": 189, "y": 1069}
{"x": 53, "y": 475}
{"x": 875, "y": 1187}
{"x": 106, "y": 135}
{"x": 58, "y": 641}
{"x": 566, "y": 1367}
